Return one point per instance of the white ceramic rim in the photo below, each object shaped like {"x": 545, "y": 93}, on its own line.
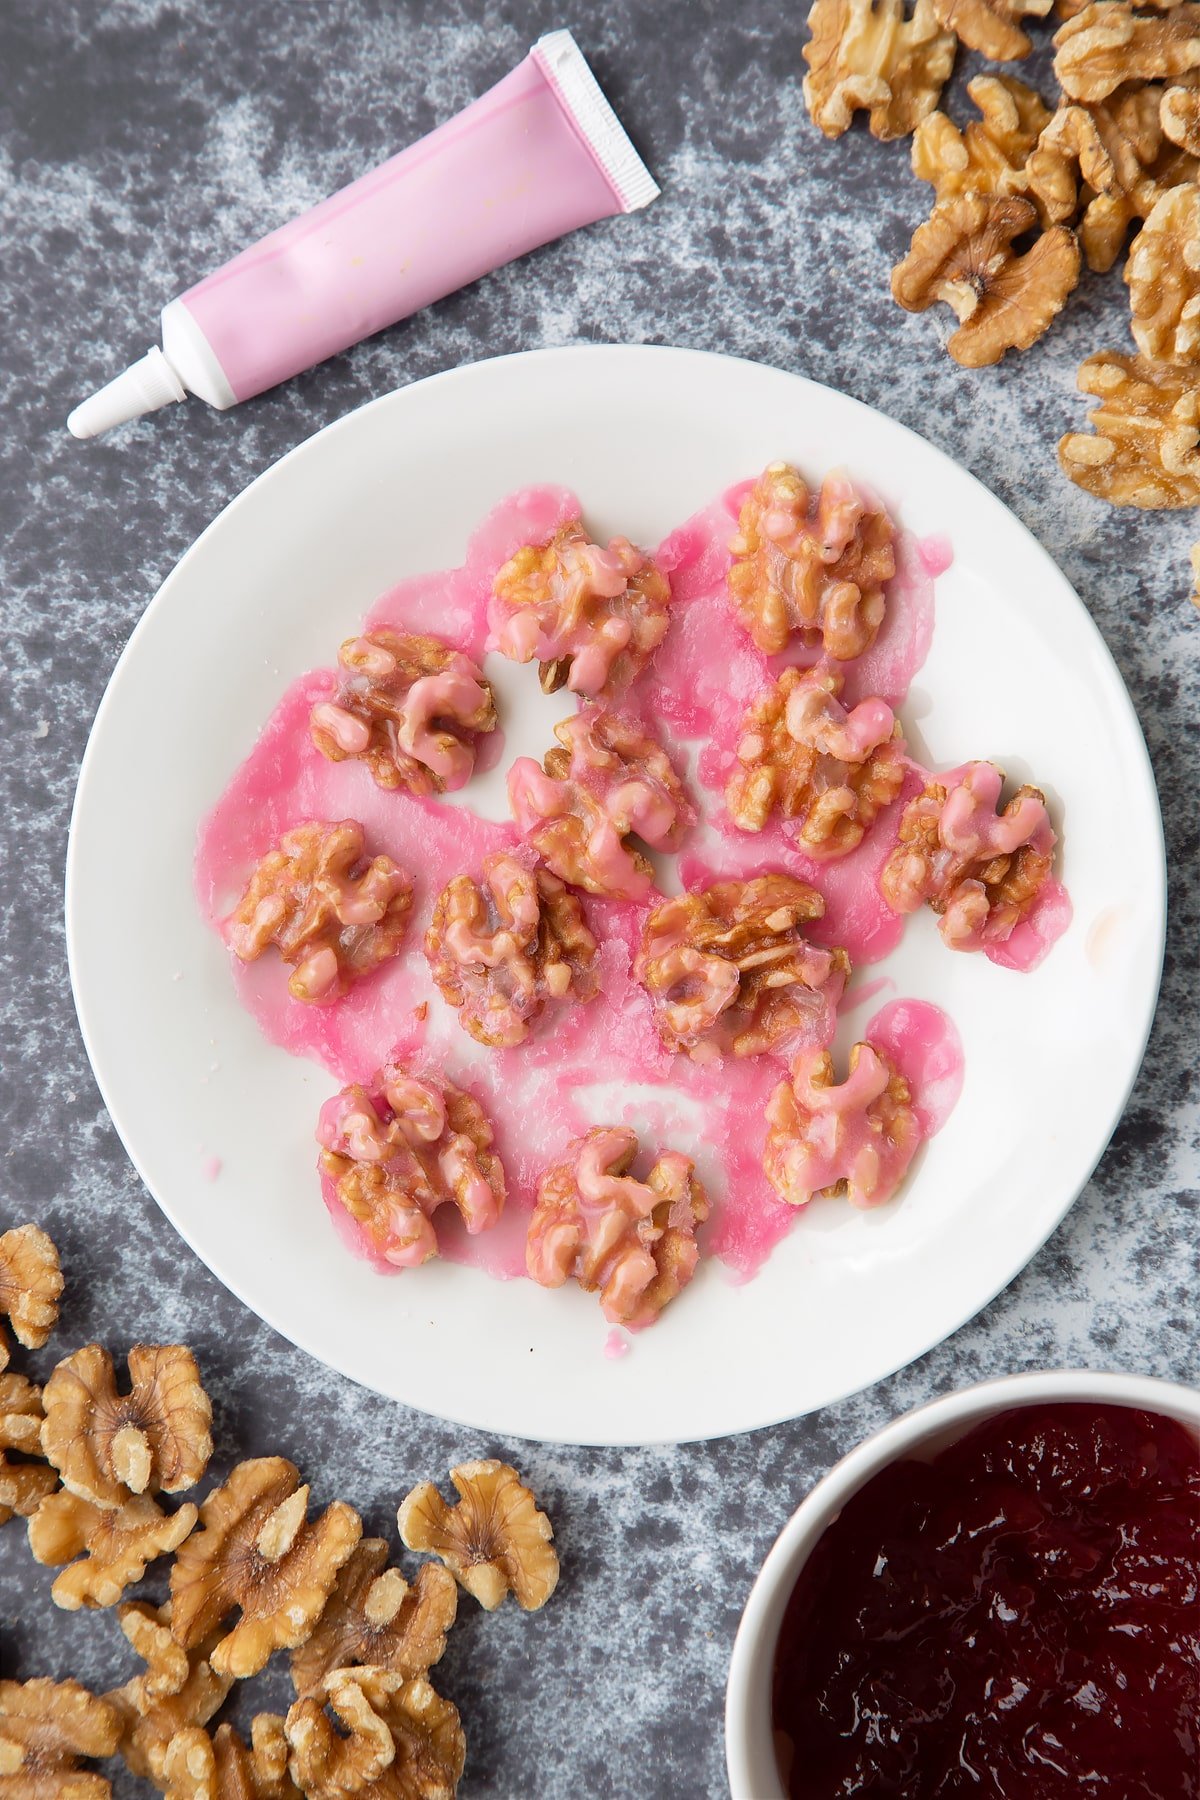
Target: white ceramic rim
{"x": 105, "y": 1030}
{"x": 749, "y": 1749}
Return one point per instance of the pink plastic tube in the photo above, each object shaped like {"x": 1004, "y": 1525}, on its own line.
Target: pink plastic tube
{"x": 537, "y": 156}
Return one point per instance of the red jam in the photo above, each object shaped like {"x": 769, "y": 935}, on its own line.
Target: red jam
{"x": 1019, "y": 1616}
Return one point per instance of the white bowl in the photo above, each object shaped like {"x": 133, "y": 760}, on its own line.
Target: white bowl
{"x": 749, "y": 1744}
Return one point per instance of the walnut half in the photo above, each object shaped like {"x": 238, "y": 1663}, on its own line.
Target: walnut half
{"x": 109, "y": 1446}
{"x": 31, "y": 1285}
{"x": 1109, "y": 44}
{"x": 396, "y": 1153}
{"x": 495, "y": 1541}
{"x": 374, "y": 1618}
{"x": 26, "y": 1481}
{"x": 1145, "y": 447}
{"x": 870, "y": 55}
{"x": 46, "y": 1727}
{"x": 1004, "y": 299}
{"x": 1163, "y": 277}
{"x": 114, "y": 1547}
{"x": 396, "y": 1739}
{"x": 990, "y": 26}
{"x": 633, "y": 1241}
{"x": 729, "y": 970}
{"x": 855, "y": 1138}
{"x": 989, "y": 156}
{"x": 178, "y": 1690}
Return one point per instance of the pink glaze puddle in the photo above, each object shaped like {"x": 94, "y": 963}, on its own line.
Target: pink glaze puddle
{"x": 536, "y": 1096}
{"x": 211, "y": 1168}
{"x": 616, "y": 1345}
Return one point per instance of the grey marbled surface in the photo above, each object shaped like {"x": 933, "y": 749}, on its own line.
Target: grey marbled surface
{"x": 141, "y": 143}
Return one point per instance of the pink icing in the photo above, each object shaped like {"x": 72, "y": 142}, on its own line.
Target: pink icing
{"x": 616, "y": 1345}
{"x": 699, "y": 684}
{"x": 211, "y": 1168}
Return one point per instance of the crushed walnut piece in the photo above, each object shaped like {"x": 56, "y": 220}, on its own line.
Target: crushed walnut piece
{"x": 607, "y": 780}
{"x": 222, "y": 1767}
{"x": 814, "y": 569}
{"x": 730, "y": 972}
{"x": 504, "y": 947}
{"x": 31, "y": 1285}
{"x": 1144, "y": 449}
{"x": 23, "y": 1483}
{"x": 412, "y": 708}
{"x": 801, "y": 752}
{"x": 632, "y": 1241}
{"x": 495, "y": 1541}
{"x": 1163, "y": 277}
{"x": 1179, "y": 116}
{"x": 1109, "y": 44}
{"x": 178, "y": 1689}
{"x": 375, "y": 1618}
{"x": 592, "y": 617}
{"x": 109, "y": 1446}
{"x": 399, "y": 1739}
{"x": 991, "y": 26}
{"x": 855, "y": 1138}
{"x": 398, "y": 1151}
{"x": 868, "y": 55}
{"x": 980, "y": 868}
{"x": 258, "y": 1553}
{"x": 114, "y": 1545}
{"x": 331, "y": 912}
{"x": 46, "y": 1729}
{"x": 1003, "y": 299}
{"x": 990, "y": 154}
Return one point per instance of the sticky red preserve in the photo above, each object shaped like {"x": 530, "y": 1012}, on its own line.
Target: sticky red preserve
{"x": 1018, "y": 1617}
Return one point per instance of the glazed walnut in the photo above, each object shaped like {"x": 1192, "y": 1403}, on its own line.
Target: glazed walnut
{"x": 178, "y": 1690}
{"x": 1163, "y": 276}
{"x": 258, "y": 1553}
{"x": 1004, "y": 299}
{"x": 591, "y": 617}
{"x": 398, "y": 1739}
{"x": 989, "y": 156}
{"x": 855, "y": 1138}
{"x": 1108, "y": 44}
{"x": 991, "y": 26}
{"x": 328, "y": 910}
{"x": 23, "y": 1481}
{"x": 802, "y": 753}
{"x": 608, "y": 780}
{"x": 815, "y": 570}
{"x": 375, "y": 1618}
{"x": 31, "y": 1284}
{"x": 46, "y": 1728}
{"x": 398, "y": 1151}
{"x": 867, "y": 55}
{"x": 495, "y": 1541}
{"x": 114, "y": 1546}
{"x": 109, "y": 1446}
{"x": 412, "y": 708}
{"x": 503, "y": 948}
{"x": 632, "y": 1241}
{"x": 979, "y": 868}
{"x": 1144, "y": 449}
{"x": 730, "y": 972}
{"x": 223, "y": 1767}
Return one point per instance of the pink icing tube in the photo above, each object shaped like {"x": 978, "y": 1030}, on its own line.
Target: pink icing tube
{"x": 538, "y": 155}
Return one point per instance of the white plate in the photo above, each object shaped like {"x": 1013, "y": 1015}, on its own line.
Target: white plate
{"x": 1017, "y": 672}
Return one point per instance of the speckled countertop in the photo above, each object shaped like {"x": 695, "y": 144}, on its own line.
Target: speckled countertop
{"x": 143, "y": 142}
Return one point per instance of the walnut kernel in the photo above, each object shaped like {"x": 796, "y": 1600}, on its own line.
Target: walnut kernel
{"x": 221, "y": 1767}
{"x": 592, "y": 617}
{"x": 114, "y": 1546}
{"x": 1108, "y": 44}
{"x": 633, "y": 1241}
{"x": 331, "y": 913}
{"x": 109, "y": 1446}
{"x": 990, "y": 26}
{"x": 990, "y": 155}
{"x": 31, "y": 1284}
{"x": 399, "y": 1740}
{"x": 178, "y": 1689}
{"x": 1163, "y": 276}
{"x": 608, "y": 780}
{"x": 258, "y": 1553}
{"x": 495, "y": 1541}
{"x": 867, "y": 55}
{"x": 815, "y": 570}
{"x": 801, "y": 752}
{"x": 1145, "y": 447}
{"x": 729, "y": 971}
{"x": 23, "y": 1484}
{"x": 503, "y": 948}
{"x": 412, "y": 708}
{"x": 375, "y": 1618}
{"x": 855, "y": 1138}
{"x": 1179, "y": 116}
{"x": 46, "y": 1727}
{"x": 1004, "y": 300}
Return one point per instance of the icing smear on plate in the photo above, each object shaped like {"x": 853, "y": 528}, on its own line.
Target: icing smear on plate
{"x": 602, "y": 1062}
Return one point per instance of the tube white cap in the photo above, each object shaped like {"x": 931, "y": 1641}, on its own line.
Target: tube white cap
{"x": 143, "y": 388}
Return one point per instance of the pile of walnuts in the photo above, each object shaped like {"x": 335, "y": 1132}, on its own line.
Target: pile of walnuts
{"x": 1024, "y": 195}
{"x": 87, "y": 1465}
